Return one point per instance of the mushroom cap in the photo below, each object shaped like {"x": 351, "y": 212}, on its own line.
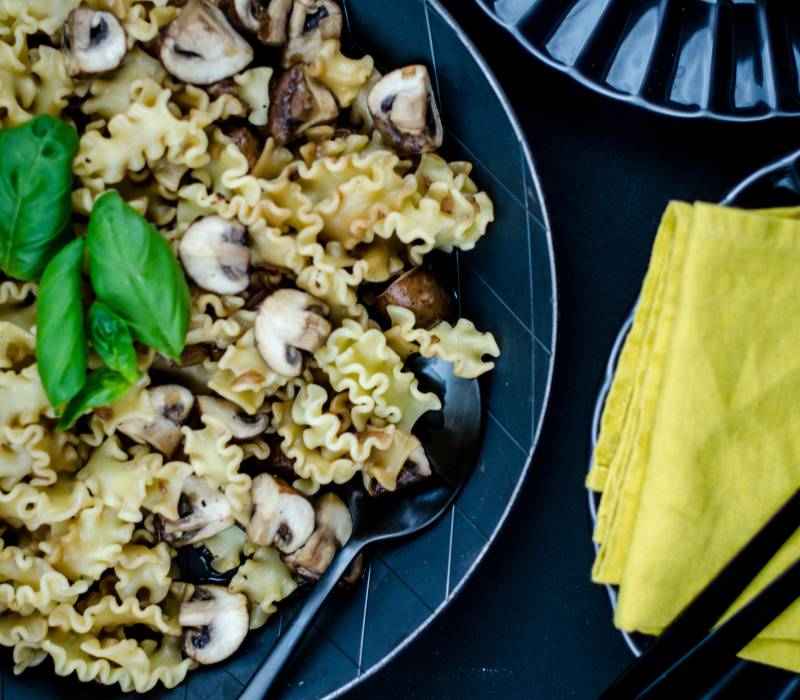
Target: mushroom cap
{"x": 93, "y": 42}
{"x": 333, "y": 529}
{"x": 200, "y": 46}
{"x": 287, "y": 322}
{"x": 171, "y": 405}
{"x": 215, "y": 255}
{"x": 404, "y": 110}
{"x": 242, "y": 425}
{"x": 246, "y": 141}
{"x": 216, "y": 623}
{"x": 204, "y": 510}
{"x": 297, "y": 103}
{"x": 267, "y": 19}
{"x": 420, "y": 291}
{"x": 282, "y": 516}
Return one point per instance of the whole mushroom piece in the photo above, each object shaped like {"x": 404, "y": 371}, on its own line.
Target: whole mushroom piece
{"x": 204, "y": 511}
{"x": 287, "y": 322}
{"x": 215, "y": 254}
{"x": 242, "y": 425}
{"x": 171, "y": 405}
{"x": 334, "y": 526}
{"x": 419, "y": 291}
{"x": 200, "y": 46}
{"x": 282, "y": 516}
{"x": 92, "y": 42}
{"x": 404, "y": 110}
{"x": 215, "y": 623}
{"x": 297, "y": 103}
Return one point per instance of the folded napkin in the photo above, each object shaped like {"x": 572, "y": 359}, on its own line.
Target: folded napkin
{"x": 700, "y": 437}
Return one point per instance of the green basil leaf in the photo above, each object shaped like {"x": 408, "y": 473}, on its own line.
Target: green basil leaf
{"x": 135, "y": 273}
{"x": 103, "y": 386}
{"x": 60, "y": 335}
{"x": 35, "y": 194}
{"x": 112, "y": 341}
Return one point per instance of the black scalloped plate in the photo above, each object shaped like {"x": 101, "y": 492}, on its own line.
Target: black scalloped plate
{"x": 737, "y": 60}
{"x": 507, "y": 286}
{"x": 776, "y": 185}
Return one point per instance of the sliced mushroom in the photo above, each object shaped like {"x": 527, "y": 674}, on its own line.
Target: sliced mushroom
{"x": 93, "y": 42}
{"x": 215, "y": 255}
{"x": 354, "y": 573}
{"x": 404, "y": 110}
{"x": 282, "y": 516}
{"x": 215, "y": 622}
{"x": 246, "y": 141}
{"x": 267, "y": 19}
{"x": 420, "y": 291}
{"x": 416, "y": 468}
{"x": 204, "y": 511}
{"x": 287, "y": 322}
{"x": 297, "y": 103}
{"x": 333, "y": 529}
{"x": 242, "y": 425}
{"x": 200, "y": 46}
{"x": 171, "y": 405}
{"x": 278, "y": 463}
{"x": 312, "y": 22}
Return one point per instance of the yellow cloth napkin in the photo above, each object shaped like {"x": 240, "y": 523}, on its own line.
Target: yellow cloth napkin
{"x": 700, "y": 437}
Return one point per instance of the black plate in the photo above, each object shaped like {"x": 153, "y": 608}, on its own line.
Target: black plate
{"x": 506, "y": 286}
{"x": 776, "y": 185}
{"x": 736, "y": 60}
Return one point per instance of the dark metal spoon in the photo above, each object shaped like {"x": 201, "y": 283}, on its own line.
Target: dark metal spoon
{"x": 451, "y": 438}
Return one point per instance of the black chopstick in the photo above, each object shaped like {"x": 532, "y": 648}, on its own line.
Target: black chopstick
{"x": 690, "y": 629}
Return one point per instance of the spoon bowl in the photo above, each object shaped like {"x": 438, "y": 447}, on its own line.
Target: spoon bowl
{"x": 451, "y": 438}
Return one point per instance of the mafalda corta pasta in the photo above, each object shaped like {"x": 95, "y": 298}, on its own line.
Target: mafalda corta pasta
{"x": 301, "y": 196}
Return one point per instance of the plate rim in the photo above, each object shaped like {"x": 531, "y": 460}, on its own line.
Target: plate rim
{"x": 532, "y": 172}
{"x": 634, "y": 100}
{"x": 593, "y": 497}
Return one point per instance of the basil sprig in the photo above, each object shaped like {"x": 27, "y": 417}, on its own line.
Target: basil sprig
{"x": 60, "y": 337}
{"x": 112, "y": 341}
{"x": 35, "y": 194}
{"x": 103, "y": 386}
{"x": 135, "y": 272}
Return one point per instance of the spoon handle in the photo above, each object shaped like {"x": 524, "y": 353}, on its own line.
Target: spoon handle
{"x": 263, "y": 679}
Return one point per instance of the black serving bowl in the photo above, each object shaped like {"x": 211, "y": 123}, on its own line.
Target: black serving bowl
{"x": 506, "y": 286}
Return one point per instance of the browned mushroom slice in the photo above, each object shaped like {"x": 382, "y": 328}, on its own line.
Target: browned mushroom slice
{"x": 200, "y": 46}
{"x": 420, "y": 291}
{"x": 404, "y": 110}
{"x": 171, "y": 406}
{"x": 354, "y": 573}
{"x": 333, "y": 529}
{"x": 299, "y": 102}
{"x": 246, "y": 141}
{"x": 215, "y": 623}
{"x": 312, "y": 22}
{"x": 215, "y": 254}
{"x": 281, "y": 517}
{"x": 267, "y": 19}
{"x": 242, "y": 425}
{"x": 416, "y": 468}
{"x": 204, "y": 511}
{"x": 92, "y": 42}
{"x": 289, "y": 321}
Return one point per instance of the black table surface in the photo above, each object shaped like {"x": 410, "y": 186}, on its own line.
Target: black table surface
{"x": 530, "y": 624}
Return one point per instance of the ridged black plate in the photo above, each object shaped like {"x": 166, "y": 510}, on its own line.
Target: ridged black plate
{"x": 736, "y": 60}
{"x": 506, "y": 286}
{"x": 776, "y": 185}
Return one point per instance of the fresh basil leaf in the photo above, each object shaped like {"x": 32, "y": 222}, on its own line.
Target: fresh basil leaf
{"x": 112, "y": 341}
{"x": 135, "y": 273}
{"x": 103, "y": 386}
{"x": 35, "y": 194}
{"x": 60, "y": 334}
